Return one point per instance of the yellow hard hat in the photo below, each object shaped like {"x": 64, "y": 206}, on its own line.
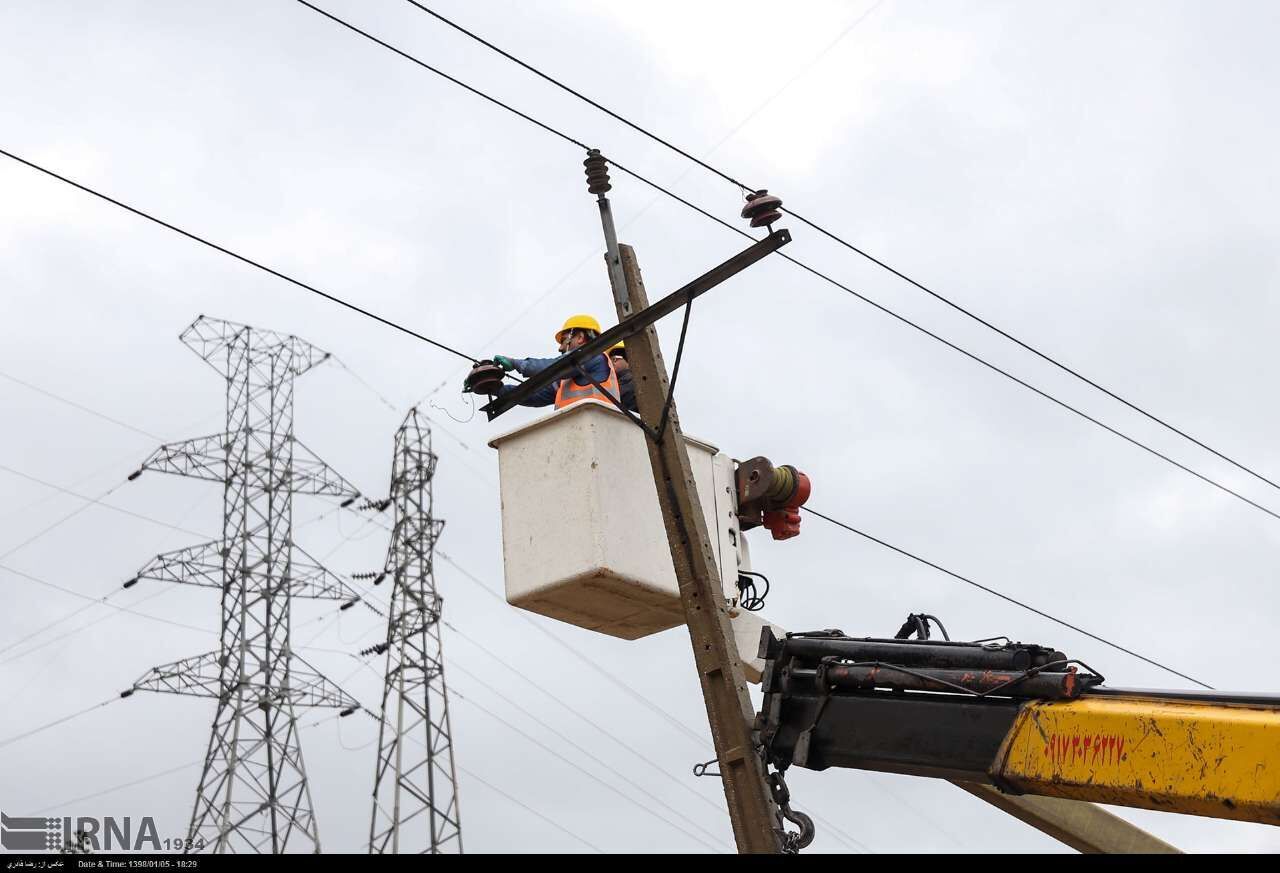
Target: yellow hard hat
{"x": 581, "y": 322}
{"x": 619, "y": 346}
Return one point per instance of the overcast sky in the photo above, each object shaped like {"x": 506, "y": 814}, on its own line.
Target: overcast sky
{"x": 1097, "y": 178}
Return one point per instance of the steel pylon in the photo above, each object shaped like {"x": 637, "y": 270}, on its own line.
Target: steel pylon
{"x": 253, "y": 794}
{"x": 415, "y": 790}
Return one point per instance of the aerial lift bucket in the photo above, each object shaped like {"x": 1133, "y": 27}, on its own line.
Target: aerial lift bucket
{"x": 582, "y": 534}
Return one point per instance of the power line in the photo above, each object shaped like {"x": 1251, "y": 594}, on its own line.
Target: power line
{"x": 93, "y": 601}
{"x": 1002, "y": 596}
{"x": 594, "y": 254}
{"x": 362, "y": 664}
{"x": 66, "y": 718}
{"x": 585, "y": 771}
{"x": 529, "y": 809}
{"x": 442, "y": 74}
{"x": 841, "y": 835}
{"x": 841, "y": 241}
{"x": 698, "y": 738}
{"x": 239, "y": 257}
{"x": 681, "y": 727}
{"x": 79, "y": 406}
{"x": 640, "y": 178}
{"x": 95, "y": 501}
{"x": 114, "y": 788}
{"x": 669, "y": 193}
{"x": 646, "y": 181}
{"x": 580, "y": 716}
{"x": 564, "y": 738}
{"x": 88, "y": 501}
{"x": 57, "y": 621}
{"x": 110, "y": 465}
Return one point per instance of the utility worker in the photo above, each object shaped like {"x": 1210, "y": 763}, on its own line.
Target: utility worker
{"x": 626, "y": 380}
{"x": 577, "y": 331}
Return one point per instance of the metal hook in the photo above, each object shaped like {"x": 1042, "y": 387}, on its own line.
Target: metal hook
{"x": 792, "y": 842}
{"x": 701, "y": 769}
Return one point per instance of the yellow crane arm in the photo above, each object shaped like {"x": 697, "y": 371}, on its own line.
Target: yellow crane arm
{"x": 1016, "y": 717}
{"x": 1197, "y": 756}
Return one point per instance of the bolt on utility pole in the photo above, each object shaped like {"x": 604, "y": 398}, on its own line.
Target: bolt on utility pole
{"x": 755, "y": 816}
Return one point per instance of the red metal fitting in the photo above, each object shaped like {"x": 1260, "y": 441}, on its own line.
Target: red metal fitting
{"x": 784, "y": 522}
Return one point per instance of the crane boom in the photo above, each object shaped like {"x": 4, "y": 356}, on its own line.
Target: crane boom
{"x": 827, "y": 705}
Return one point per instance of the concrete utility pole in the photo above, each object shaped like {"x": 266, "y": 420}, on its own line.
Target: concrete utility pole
{"x": 755, "y": 816}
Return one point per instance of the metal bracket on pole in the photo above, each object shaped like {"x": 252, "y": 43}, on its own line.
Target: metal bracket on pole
{"x": 566, "y": 364}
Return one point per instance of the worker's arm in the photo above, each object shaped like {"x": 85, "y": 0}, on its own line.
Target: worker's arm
{"x": 532, "y": 366}
{"x": 544, "y": 396}
{"x": 596, "y": 368}
{"x": 627, "y": 387}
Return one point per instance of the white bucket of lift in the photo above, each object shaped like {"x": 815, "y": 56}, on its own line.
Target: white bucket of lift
{"x": 582, "y": 534}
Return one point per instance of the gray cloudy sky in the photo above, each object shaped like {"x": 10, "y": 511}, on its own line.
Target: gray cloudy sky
{"x": 1098, "y": 178}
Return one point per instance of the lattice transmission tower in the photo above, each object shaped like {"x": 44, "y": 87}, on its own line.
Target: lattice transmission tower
{"x": 415, "y": 788}
{"x": 253, "y": 794}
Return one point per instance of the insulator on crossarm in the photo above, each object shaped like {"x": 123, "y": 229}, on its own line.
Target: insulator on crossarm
{"x": 597, "y": 172}
{"x": 350, "y": 500}
{"x": 346, "y": 712}
{"x": 134, "y": 475}
{"x": 350, "y": 603}
{"x": 762, "y": 208}
{"x": 132, "y": 582}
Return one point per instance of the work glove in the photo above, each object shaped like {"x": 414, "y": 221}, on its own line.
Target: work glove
{"x": 504, "y": 362}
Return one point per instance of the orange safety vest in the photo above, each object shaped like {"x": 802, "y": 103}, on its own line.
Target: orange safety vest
{"x": 570, "y": 392}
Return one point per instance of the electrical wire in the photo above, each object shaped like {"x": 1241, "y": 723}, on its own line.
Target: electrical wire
{"x": 5, "y": 743}
{"x": 96, "y": 621}
{"x": 94, "y": 501}
{"x": 239, "y": 257}
{"x": 640, "y": 178}
{"x": 655, "y": 766}
{"x": 1006, "y": 597}
{"x": 116, "y": 590}
{"x": 814, "y": 225}
{"x": 592, "y": 776}
{"x": 529, "y": 809}
{"x": 580, "y": 748}
{"x": 594, "y": 254}
{"x": 654, "y": 185}
{"x": 382, "y": 723}
{"x": 79, "y": 406}
{"x": 700, "y": 739}
{"x": 66, "y": 803}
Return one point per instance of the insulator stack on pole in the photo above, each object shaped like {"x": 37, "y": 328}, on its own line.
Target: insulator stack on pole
{"x": 415, "y": 792}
